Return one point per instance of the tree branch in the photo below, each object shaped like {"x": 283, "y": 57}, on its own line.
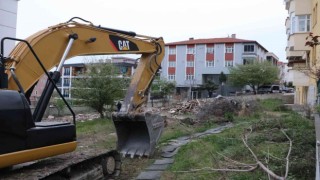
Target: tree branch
{"x": 235, "y": 162}
{"x": 289, "y": 152}
{"x": 224, "y": 170}
{"x": 260, "y": 164}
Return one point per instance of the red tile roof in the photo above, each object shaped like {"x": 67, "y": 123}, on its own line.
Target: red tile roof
{"x": 214, "y": 41}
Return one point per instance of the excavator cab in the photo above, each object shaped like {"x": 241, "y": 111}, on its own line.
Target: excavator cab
{"x": 23, "y": 136}
{"x": 22, "y": 139}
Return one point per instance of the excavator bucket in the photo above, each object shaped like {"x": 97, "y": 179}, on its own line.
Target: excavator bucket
{"x": 137, "y": 133}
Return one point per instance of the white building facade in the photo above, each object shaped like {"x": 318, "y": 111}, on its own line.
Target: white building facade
{"x": 194, "y": 62}
{"x": 8, "y": 23}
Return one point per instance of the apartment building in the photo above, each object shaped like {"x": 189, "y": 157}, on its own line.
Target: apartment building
{"x": 285, "y": 74}
{"x": 298, "y": 26}
{"x": 8, "y": 22}
{"x": 193, "y": 62}
{"x": 71, "y": 71}
{"x": 314, "y": 54}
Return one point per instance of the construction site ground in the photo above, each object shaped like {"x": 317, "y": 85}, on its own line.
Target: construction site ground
{"x": 100, "y": 141}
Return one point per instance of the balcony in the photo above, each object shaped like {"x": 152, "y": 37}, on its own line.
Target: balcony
{"x": 296, "y": 48}
{"x": 249, "y": 55}
{"x": 297, "y": 41}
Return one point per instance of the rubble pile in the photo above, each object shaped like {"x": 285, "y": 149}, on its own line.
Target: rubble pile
{"x": 219, "y": 109}
{"x": 190, "y": 106}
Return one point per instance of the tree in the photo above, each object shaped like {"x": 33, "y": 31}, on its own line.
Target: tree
{"x": 253, "y": 74}
{"x": 100, "y": 86}
{"x": 162, "y": 88}
{"x": 222, "y": 78}
{"x": 210, "y": 87}
{"x": 60, "y": 105}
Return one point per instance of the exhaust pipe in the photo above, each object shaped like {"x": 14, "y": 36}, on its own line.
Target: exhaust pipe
{"x": 138, "y": 133}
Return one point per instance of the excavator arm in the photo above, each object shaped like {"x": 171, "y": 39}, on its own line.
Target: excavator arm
{"x": 137, "y": 129}
{"x": 50, "y": 44}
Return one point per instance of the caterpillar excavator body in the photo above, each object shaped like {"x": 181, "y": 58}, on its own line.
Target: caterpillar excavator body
{"x": 25, "y": 137}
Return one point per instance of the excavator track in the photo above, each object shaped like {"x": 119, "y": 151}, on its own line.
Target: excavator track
{"x": 77, "y": 165}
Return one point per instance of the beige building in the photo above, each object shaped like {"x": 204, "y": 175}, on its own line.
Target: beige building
{"x": 298, "y": 26}
{"x": 314, "y": 55}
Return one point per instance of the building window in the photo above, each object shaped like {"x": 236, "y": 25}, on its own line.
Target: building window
{"x": 293, "y": 23}
{"x": 66, "y": 93}
{"x": 304, "y": 23}
{"x": 172, "y": 64}
{"x": 210, "y": 49}
{"x": 190, "y": 50}
{"x": 66, "y": 82}
{"x": 171, "y": 77}
{"x": 172, "y": 50}
{"x": 300, "y": 23}
{"x": 228, "y": 63}
{"x": 67, "y": 71}
{"x": 190, "y": 64}
{"x": 189, "y": 77}
{"x": 249, "y": 48}
{"x": 210, "y": 63}
{"x": 229, "y": 49}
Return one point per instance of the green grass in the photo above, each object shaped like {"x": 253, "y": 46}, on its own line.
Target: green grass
{"x": 177, "y": 129}
{"x": 97, "y": 125}
{"x": 96, "y": 134}
{"x": 266, "y": 140}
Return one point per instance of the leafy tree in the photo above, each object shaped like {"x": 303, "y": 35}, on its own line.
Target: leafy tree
{"x": 162, "y": 88}
{"x": 167, "y": 87}
{"x": 60, "y": 105}
{"x": 222, "y": 78}
{"x": 210, "y": 87}
{"x": 253, "y": 74}
{"x": 100, "y": 87}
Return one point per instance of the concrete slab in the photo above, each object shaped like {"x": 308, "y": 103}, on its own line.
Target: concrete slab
{"x": 169, "y": 154}
{"x": 157, "y": 167}
{"x": 149, "y": 175}
{"x": 170, "y": 148}
{"x": 179, "y": 142}
{"x": 183, "y": 138}
{"x": 164, "y": 161}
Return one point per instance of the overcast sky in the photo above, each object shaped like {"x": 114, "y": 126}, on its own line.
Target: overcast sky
{"x": 174, "y": 20}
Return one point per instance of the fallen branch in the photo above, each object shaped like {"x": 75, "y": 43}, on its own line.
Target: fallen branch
{"x": 272, "y": 156}
{"x": 260, "y": 164}
{"x": 199, "y": 104}
{"x": 236, "y": 162}
{"x": 224, "y": 170}
{"x": 288, "y": 155}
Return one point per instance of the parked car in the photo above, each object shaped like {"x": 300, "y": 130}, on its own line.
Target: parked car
{"x": 269, "y": 89}
{"x": 288, "y": 90}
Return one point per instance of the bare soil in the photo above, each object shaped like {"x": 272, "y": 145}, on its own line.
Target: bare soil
{"x": 93, "y": 144}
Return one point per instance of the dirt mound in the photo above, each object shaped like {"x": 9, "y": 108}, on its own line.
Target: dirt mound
{"x": 219, "y": 109}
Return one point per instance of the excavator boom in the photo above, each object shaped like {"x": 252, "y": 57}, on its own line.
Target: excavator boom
{"x": 137, "y": 129}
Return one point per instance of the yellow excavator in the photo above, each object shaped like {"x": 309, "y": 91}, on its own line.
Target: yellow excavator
{"x": 25, "y": 137}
